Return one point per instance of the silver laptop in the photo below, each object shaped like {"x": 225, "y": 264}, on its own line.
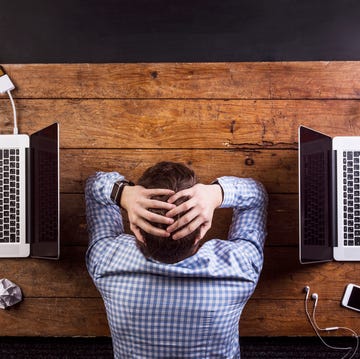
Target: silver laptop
{"x": 329, "y": 197}
{"x": 29, "y": 194}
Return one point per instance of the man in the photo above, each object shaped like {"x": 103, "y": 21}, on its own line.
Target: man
{"x": 186, "y": 304}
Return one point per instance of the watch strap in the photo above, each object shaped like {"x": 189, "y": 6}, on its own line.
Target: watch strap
{"x": 117, "y": 190}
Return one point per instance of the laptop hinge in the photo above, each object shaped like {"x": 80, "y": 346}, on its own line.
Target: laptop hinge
{"x": 28, "y": 195}
{"x": 333, "y": 199}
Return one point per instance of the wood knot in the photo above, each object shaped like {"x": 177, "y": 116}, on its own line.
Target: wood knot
{"x": 249, "y": 162}
{"x": 154, "y": 74}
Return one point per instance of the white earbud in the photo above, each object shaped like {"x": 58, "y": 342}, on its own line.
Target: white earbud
{"x": 307, "y": 291}
{"x": 315, "y": 297}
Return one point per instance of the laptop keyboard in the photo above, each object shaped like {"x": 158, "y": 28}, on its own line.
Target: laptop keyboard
{"x": 47, "y": 199}
{"x": 351, "y": 186}
{"x": 314, "y": 190}
{"x": 9, "y": 196}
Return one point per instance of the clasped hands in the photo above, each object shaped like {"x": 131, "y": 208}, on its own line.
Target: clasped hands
{"x": 198, "y": 209}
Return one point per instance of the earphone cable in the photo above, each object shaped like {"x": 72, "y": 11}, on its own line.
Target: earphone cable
{"x": 355, "y": 335}
{"x": 317, "y": 331}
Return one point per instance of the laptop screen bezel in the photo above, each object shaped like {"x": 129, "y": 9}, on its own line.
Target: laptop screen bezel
{"x": 311, "y": 141}
{"x": 45, "y": 249}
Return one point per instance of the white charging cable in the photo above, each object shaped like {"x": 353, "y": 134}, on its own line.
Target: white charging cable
{"x": 7, "y": 86}
{"x": 15, "y": 131}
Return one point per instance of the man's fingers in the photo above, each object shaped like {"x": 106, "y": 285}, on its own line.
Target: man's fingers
{"x": 191, "y": 227}
{"x": 153, "y": 203}
{"x": 181, "y": 208}
{"x": 158, "y": 192}
{"x": 148, "y": 228}
{"x": 184, "y": 193}
{"x": 203, "y": 229}
{"x": 182, "y": 221}
{"x": 137, "y": 233}
{"x": 157, "y": 218}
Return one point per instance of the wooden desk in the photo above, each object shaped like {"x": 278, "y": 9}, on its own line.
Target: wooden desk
{"x": 223, "y": 118}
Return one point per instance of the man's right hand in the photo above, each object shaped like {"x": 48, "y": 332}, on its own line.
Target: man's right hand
{"x": 136, "y": 200}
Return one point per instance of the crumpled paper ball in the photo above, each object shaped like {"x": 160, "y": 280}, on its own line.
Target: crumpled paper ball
{"x": 10, "y": 293}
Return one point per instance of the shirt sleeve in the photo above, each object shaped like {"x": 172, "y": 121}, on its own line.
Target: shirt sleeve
{"x": 248, "y": 199}
{"x": 103, "y": 215}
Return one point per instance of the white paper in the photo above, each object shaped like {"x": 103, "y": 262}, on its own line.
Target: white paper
{"x": 10, "y": 293}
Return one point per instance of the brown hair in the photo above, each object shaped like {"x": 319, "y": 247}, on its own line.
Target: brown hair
{"x": 174, "y": 176}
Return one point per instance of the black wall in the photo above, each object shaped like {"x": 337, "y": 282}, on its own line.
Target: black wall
{"x": 45, "y": 31}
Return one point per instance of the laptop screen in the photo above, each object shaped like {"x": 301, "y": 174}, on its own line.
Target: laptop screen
{"x": 44, "y": 212}
{"x": 315, "y": 196}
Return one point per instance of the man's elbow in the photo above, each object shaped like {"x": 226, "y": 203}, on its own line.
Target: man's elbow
{"x": 261, "y": 194}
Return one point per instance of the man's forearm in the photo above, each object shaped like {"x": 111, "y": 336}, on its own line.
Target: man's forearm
{"x": 249, "y": 200}
{"x": 242, "y": 193}
{"x": 248, "y": 228}
{"x": 103, "y": 216}
{"x": 99, "y": 186}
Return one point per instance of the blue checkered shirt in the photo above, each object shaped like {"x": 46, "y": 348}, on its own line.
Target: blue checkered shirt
{"x": 189, "y": 309}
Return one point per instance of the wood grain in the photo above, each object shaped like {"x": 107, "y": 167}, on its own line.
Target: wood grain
{"x": 172, "y": 124}
{"x": 247, "y": 80}
{"x": 55, "y": 317}
{"x": 279, "y": 295}
{"x": 277, "y": 170}
{"x": 67, "y": 277}
{"x": 86, "y": 317}
{"x": 282, "y": 277}
{"x": 287, "y": 318}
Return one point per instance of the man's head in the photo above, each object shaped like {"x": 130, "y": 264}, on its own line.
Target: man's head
{"x": 174, "y": 176}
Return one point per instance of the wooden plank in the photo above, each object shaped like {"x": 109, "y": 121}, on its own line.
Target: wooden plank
{"x": 188, "y": 80}
{"x": 55, "y": 317}
{"x": 282, "y": 276}
{"x": 283, "y": 220}
{"x": 86, "y": 317}
{"x": 277, "y": 170}
{"x": 278, "y": 317}
{"x": 67, "y": 277}
{"x": 73, "y": 229}
{"x": 174, "y": 124}
{"x": 280, "y": 232}
{"x": 66, "y": 306}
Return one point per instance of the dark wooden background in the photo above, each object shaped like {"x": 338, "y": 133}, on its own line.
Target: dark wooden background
{"x": 42, "y": 31}
{"x": 225, "y": 118}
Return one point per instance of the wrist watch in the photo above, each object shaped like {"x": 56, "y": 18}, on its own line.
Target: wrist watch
{"x": 118, "y": 188}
